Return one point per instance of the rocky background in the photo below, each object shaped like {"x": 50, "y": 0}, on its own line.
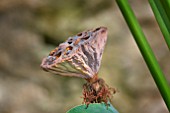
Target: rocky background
{"x": 30, "y": 29}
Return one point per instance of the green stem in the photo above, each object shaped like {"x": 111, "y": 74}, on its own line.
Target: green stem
{"x": 162, "y": 10}
{"x": 166, "y": 5}
{"x": 146, "y": 50}
{"x": 162, "y": 19}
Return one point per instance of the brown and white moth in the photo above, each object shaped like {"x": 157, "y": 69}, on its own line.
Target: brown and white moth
{"x": 79, "y": 56}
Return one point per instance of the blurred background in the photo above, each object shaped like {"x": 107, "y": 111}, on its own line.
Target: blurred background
{"x": 30, "y": 29}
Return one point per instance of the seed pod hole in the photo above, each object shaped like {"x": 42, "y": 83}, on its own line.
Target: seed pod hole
{"x": 96, "y": 29}
{"x": 52, "y": 53}
{"x": 69, "y": 48}
{"x": 85, "y": 38}
{"x": 58, "y": 55}
{"x": 70, "y": 41}
{"x": 79, "y": 34}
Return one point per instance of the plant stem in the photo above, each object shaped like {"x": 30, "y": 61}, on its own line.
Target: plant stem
{"x": 145, "y": 50}
{"x": 166, "y": 5}
{"x": 162, "y": 19}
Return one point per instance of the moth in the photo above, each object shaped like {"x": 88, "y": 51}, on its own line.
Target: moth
{"x": 79, "y": 56}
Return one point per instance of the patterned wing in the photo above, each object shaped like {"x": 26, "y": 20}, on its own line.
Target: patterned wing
{"x": 79, "y": 56}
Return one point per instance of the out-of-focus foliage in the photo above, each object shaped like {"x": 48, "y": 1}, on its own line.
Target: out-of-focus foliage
{"x": 29, "y": 29}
